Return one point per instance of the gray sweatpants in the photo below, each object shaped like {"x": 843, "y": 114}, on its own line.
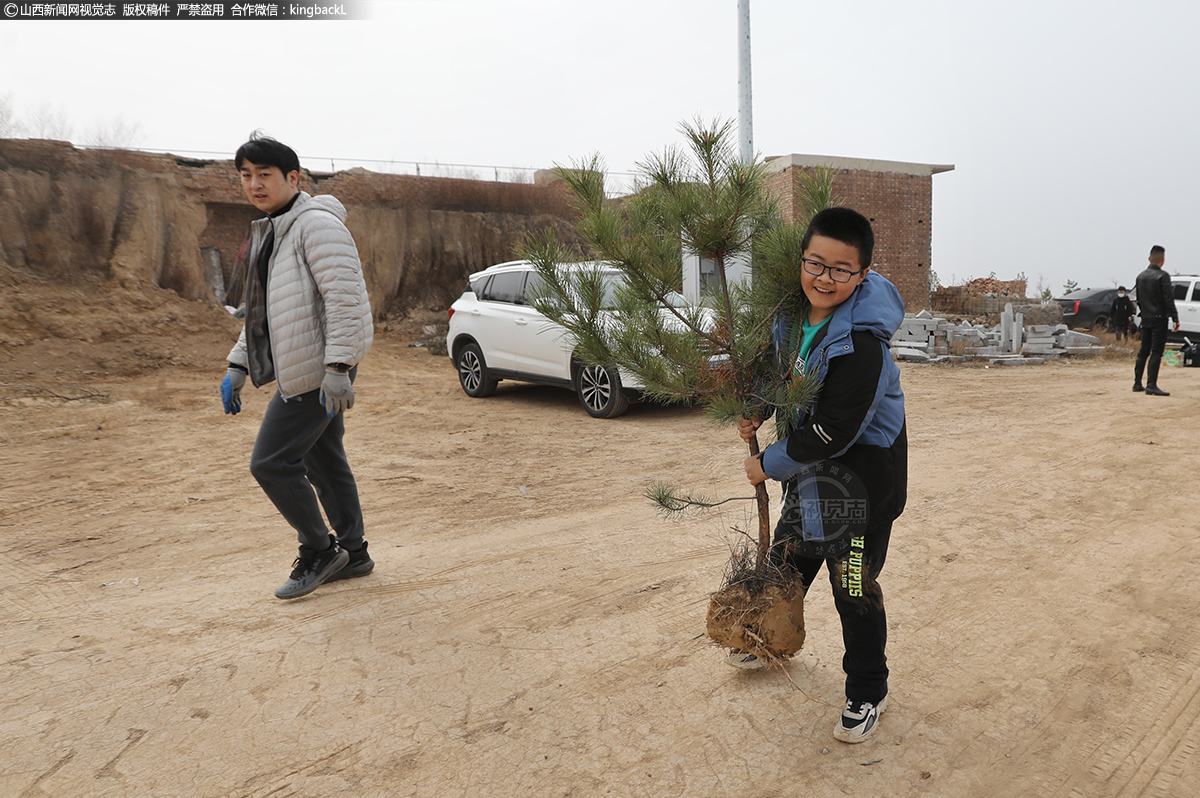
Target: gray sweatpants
{"x": 298, "y": 450}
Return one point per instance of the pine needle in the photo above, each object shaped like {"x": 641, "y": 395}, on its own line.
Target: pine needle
{"x": 671, "y": 503}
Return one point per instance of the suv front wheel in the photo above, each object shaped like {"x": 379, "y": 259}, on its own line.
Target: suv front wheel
{"x": 599, "y": 391}
{"x": 473, "y": 372}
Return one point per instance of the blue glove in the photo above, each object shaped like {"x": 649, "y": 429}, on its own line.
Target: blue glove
{"x": 337, "y": 392}
{"x": 231, "y": 390}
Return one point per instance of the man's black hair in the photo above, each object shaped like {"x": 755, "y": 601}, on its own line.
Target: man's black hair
{"x": 266, "y": 151}
{"x": 1122, "y": 288}
{"x": 1157, "y": 250}
{"x": 845, "y": 225}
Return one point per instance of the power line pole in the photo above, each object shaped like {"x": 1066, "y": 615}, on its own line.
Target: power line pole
{"x": 745, "y": 104}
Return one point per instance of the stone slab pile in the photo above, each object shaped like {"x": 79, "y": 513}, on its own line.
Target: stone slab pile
{"x": 925, "y": 338}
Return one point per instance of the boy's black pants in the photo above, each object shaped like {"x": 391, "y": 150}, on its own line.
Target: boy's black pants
{"x": 298, "y": 450}
{"x": 859, "y": 601}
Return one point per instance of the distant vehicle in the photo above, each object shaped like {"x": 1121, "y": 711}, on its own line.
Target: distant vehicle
{"x": 1087, "y": 308}
{"x": 1186, "y": 289}
{"x": 496, "y": 334}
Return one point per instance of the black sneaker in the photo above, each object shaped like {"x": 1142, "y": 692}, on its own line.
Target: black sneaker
{"x": 859, "y": 720}
{"x": 360, "y": 564}
{"x": 311, "y": 570}
{"x": 1154, "y": 390}
{"x": 744, "y": 660}
{"x": 1137, "y": 387}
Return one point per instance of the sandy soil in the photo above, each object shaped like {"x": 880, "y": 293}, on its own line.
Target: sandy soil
{"x": 532, "y": 627}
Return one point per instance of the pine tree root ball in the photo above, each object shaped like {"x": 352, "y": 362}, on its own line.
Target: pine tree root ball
{"x": 763, "y": 619}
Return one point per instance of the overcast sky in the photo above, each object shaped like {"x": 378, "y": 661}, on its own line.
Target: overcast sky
{"x": 1072, "y": 126}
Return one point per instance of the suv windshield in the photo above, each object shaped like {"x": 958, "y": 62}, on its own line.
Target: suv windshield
{"x": 613, "y": 283}
{"x": 521, "y": 286}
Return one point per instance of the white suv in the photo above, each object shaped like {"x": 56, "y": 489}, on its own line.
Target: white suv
{"x": 495, "y": 334}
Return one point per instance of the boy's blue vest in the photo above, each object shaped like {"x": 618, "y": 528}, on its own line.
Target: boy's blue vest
{"x": 874, "y": 307}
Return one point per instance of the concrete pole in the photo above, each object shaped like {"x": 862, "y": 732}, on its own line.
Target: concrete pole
{"x": 745, "y": 104}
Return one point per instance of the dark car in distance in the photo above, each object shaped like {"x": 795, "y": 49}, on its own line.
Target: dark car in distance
{"x": 1087, "y": 308}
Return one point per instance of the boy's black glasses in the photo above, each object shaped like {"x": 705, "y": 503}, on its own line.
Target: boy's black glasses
{"x": 816, "y": 268}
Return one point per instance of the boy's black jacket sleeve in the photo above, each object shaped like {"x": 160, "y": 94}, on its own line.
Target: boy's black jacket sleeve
{"x": 847, "y": 395}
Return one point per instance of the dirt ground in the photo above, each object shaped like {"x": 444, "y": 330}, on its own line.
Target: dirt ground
{"x": 533, "y": 628}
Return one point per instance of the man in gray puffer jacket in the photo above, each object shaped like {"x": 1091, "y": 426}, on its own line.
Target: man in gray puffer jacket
{"x": 308, "y": 325}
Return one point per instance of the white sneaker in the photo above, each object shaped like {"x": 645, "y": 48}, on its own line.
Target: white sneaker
{"x": 744, "y": 660}
{"x": 859, "y": 720}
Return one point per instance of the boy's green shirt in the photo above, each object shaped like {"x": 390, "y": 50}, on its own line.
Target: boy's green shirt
{"x": 808, "y": 334}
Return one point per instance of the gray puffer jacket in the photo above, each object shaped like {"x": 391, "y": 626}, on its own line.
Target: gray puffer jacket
{"x": 316, "y": 301}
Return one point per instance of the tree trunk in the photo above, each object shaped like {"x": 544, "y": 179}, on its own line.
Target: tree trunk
{"x": 764, "y": 515}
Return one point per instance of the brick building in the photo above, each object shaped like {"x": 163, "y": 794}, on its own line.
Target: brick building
{"x": 898, "y": 199}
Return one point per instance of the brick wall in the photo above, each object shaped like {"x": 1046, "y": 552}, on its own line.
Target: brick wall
{"x": 980, "y": 297}
{"x": 899, "y": 205}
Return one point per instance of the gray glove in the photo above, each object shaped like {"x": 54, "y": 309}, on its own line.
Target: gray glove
{"x": 337, "y": 392}
{"x": 231, "y": 390}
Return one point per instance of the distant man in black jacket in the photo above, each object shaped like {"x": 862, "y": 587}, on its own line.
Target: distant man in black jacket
{"x": 1120, "y": 313}
{"x": 1157, "y": 303}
